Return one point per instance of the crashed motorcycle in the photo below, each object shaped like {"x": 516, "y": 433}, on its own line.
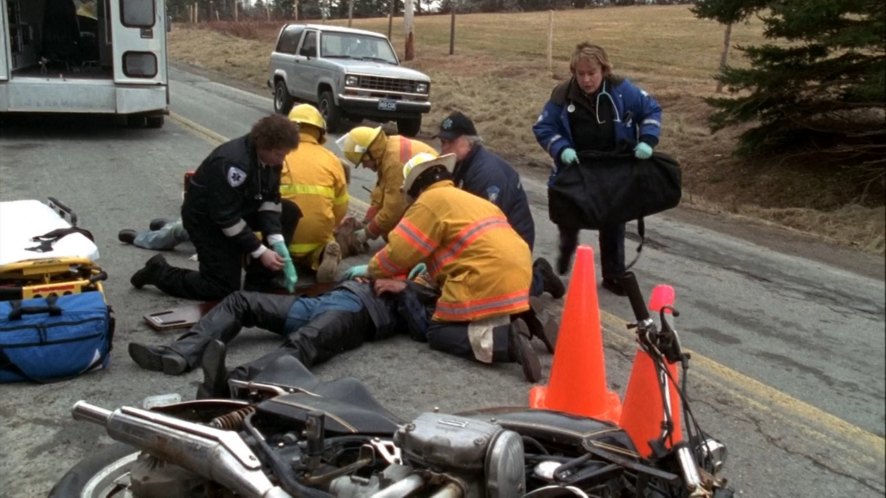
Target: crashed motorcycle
{"x": 284, "y": 433}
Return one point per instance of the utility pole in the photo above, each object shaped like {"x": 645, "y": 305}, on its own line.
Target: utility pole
{"x": 409, "y": 21}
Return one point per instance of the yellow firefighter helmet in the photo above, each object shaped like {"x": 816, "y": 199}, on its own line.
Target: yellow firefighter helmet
{"x": 306, "y": 114}
{"x": 356, "y": 143}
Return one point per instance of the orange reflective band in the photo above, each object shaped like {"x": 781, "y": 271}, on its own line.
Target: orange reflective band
{"x": 462, "y": 310}
{"x": 413, "y": 236}
{"x": 468, "y": 235}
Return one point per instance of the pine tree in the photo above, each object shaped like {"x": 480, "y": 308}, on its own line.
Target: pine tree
{"x": 819, "y": 84}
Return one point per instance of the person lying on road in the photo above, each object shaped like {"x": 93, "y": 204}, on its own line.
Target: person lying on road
{"x": 316, "y": 328}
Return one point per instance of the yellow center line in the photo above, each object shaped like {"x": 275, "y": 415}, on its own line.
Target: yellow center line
{"x": 218, "y": 139}
{"x": 767, "y": 401}
{"x": 755, "y": 394}
{"x": 210, "y": 136}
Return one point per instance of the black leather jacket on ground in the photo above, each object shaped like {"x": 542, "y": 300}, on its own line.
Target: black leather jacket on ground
{"x": 410, "y": 311}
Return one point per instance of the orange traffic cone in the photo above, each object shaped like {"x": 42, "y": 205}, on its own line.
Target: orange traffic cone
{"x": 642, "y": 415}
{"x": 578, "y": 374}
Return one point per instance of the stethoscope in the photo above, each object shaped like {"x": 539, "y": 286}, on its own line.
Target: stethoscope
{"x": 602, "y": 93}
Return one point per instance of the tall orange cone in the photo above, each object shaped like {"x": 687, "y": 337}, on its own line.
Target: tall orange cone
{"x": 642, "y": 415}
{"x": 578, "y": 374}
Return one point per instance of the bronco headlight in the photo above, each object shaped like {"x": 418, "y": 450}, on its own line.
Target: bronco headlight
{"x": 421, "y": 87}
{"x": 351, "y": 80}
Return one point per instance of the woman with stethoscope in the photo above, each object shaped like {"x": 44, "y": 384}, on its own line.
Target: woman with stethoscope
{"x": 596, "y": 111}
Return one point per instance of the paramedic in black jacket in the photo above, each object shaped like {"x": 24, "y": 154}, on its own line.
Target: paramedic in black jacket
{"x": 316, "y": 328}
{"x": 487, "y": 175}
{"x": 233, "y": 194}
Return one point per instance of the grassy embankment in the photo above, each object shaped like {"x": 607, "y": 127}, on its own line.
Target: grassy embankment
{"x": 499, "y": 75}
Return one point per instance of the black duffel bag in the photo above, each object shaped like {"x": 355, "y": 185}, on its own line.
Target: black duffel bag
{"x": 611, "y": 189}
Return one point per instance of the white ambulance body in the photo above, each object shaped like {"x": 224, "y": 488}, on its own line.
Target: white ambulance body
{"x": 85, "y": 56}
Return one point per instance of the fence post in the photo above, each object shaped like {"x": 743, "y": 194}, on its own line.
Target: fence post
{"x": 551, "y": 41}
{"x": 452, "y": 6}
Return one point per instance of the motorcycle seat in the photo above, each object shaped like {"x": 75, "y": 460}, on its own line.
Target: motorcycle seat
{"x": 348, "y": 405}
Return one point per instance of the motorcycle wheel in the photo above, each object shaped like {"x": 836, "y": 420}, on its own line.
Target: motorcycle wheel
{"x": 102, "y": 475}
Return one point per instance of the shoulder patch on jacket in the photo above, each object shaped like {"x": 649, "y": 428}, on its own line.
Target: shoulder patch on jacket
{"x": 235, "y": 176}
{"x": 492, "y": 192}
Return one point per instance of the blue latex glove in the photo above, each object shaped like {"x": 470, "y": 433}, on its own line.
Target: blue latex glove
{"x": 356, "y": 271}
{"x": 288, "y": 268}
{"x": 281, "y": 249}
{"x": 643, "y": 151}
{"x": 568, "y": 156}
{"x": 417, "y": 270}
{"x": 291, "y": 276}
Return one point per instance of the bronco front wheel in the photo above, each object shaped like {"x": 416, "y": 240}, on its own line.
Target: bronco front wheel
{"x": 409, "y": 127}
{"x": 282, "y": 100}
{"x": 331, "y": 113}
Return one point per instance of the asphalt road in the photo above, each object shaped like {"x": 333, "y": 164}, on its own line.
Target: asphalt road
{"x": 787, "y": 334}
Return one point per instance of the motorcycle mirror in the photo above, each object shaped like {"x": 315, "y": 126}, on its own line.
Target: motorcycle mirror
{"x": 663, "y": 297}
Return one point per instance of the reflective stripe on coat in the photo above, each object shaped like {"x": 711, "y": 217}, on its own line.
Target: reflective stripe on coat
{"x": 482, "y": 266}
{"x": 314, "y": 178}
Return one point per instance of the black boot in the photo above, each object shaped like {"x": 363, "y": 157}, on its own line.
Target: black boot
{"x": 157, "y": 224}
{"x": 551, "y": 283}
{"x": 146, "y": 275}
{"x": 546, "y": 332}
{"x": 614, "y": 286}
{"x": 215, "y": 376}
{"x": 127, "y": 235}
{"x": 568, "y": 244}
{"x": 521, "y": 351}
{"x": 158, "y": 359}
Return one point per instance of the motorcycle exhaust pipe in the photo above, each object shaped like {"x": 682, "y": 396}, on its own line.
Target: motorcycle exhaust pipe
{"x": 402, "y": 487}
{"x": 217, "y": 455}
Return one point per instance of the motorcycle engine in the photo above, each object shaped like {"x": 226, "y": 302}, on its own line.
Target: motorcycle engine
{"x": 485, "y": 456}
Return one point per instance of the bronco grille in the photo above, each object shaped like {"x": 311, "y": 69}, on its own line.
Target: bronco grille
{"x": 387, "y": 84}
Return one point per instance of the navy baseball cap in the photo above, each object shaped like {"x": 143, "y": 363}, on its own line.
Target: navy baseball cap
{"x": 456, "y": 125}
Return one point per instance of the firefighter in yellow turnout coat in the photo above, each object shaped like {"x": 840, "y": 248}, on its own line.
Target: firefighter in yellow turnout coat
{"x": 314, "y": 178}
{"x": 385, "y": 155}
{"x": 481, "y": 265}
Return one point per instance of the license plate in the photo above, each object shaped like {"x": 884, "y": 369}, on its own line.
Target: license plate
{"x": 387, "y": 105}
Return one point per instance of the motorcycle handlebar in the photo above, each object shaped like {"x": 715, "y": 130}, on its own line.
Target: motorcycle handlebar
{"x": 632, "y": 289}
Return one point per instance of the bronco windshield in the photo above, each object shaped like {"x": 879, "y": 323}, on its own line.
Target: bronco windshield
{"x": 357, "y": 46}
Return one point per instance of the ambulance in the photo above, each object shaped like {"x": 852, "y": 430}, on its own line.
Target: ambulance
{"x": 85, "y": 56}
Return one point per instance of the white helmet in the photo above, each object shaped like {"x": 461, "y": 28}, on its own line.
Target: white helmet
{"x": 421, "y": 162}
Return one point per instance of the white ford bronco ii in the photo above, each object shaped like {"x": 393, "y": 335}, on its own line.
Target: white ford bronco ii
{"x": 348, "y": 74}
